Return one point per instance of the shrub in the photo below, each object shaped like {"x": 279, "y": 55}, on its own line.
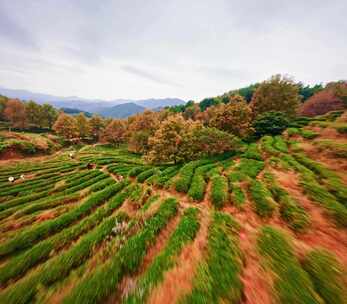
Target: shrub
{"x": 219, "y": 191}
{"x": 99, "y": 284}
{"x": 264, "y": 204}
{"x": 185, "y": 176}
{"x": 217, "y": 279}
{"x": 290, "y": 210}
{"x": 291, "y": 282}
{"x": 252, "y": 152}
{"x": 308, "y": 134}
{"x": 280, "y": 144}
{"x": 146, "y": 174}
{"x": 183, "y": 234}
{"x": 270, "y": 123}
{"x": 28, "y": 237}
{"x": 326, "y": 274}
{"x": 238, "y": 197}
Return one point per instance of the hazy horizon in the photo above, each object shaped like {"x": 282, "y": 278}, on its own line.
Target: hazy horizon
{"x": 157, "y": 49}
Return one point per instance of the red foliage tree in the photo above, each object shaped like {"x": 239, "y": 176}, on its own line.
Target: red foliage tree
{"x": 15, "y": 113}
{"x": 321, "y": 103}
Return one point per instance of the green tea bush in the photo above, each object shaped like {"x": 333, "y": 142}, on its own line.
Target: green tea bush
{"x": 219, "y": 191}
{"x": 98, "y": 285}
{"x": 185, "y": 175}
{"x": 264, "y": 204}
{"x": 291, "y": 282}
{"x": 252, "y": 152}
{"x": 183, "y": 234}
{"x": 327, "y": 276}
{"x": 290, "y": 210}
{"x": 21, "y": 263}
{"x": 218, "y": 277}
{"x": 146, "y": 174}
{"x": 60, "y": 266}
{"x": 280, "y": 144}
{"x": 29, "y": 237}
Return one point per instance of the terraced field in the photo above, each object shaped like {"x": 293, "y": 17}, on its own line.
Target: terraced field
{"x": 266, "y": 225}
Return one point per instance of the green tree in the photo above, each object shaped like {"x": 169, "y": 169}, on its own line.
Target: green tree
{"x": 48, "y": 116}
{"x": 270, "y": 123}
{"x": 279, "y": 93}
{"x": 33, "y": 113}
{"x": 211, "y": 141}
{"x": 307, "y": 91}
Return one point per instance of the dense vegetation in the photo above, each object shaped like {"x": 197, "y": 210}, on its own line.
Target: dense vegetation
{"x": 218, "y": 202}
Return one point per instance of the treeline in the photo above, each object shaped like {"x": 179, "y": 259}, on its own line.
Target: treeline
{"x": 213, "y": 126}
{"x": 26, "y": 115}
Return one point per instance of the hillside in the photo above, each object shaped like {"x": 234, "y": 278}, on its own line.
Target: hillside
{"x": 122, "y": 111}
{"x": 265, "y": 222}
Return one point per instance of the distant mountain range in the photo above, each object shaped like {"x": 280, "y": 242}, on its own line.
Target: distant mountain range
{"x": 117, "y": 108}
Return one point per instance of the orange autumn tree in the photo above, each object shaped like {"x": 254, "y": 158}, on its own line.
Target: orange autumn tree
{"x": 234, "y": 117}
{"x": 66, "y": 126}
{"x": 97, "y": 126}
{"x": 279, "y": 93}
{"x": 141, "y": 127}
{"x": 115, "y": 132}
{"x": 15, "y": 113}
{"x": 170, "y": 141}
{"x": 83, "y": 126}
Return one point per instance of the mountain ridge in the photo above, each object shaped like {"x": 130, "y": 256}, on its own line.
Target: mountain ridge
{"x": 97, "y": 106}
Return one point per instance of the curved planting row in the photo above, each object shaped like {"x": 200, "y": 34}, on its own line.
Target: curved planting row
{"x": 30, "y": 236}
{"x": 183, "y": 234}
{"x": 19, "y": 264}
{"x": 186, "y": 173}
{"x": 100, "y": 284}
{"x": 291, "y": 283}
{"x": 217, "y": 279}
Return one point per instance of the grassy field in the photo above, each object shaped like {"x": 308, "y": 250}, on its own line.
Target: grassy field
{"x": 267, "y": 225}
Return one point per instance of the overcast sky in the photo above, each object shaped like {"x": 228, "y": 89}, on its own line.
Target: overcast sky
{"x": 189, "y": 49}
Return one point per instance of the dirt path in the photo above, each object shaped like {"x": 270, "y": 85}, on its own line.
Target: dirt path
{"x": 178, "y": 280}
{"x": 322, "y": 232}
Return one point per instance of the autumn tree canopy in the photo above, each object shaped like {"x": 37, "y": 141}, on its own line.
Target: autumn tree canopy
{"x": 234, "y": 117}
{"x": 166, "y": 143}
{"x": 115, "y": 132}
{"x": 15, "y": 113}
{"x": 322, "y": 102}
{"x": 179, "y": 140}
{"x": 141, "y": 127}
{"x": 279, "y": 93}
{"x": 83, "y": 125}
{"x": 66, "y": 126}
{"x": 97, "y": 126}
